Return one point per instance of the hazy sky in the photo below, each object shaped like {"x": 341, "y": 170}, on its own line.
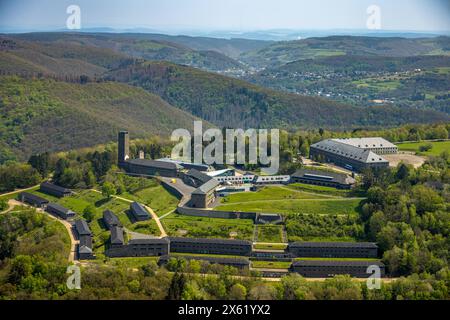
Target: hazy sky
{"x": 413, "y": 15}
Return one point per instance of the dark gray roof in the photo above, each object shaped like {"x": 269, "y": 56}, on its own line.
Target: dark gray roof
{"x": 33, "y": 198}
{"x": 213, "y": 241}
{"x": 139, "y": 210}
{"x": 336, "y": 263}
{"x": 348, "y": 151}
{"x": 218, "y": 260}
{"x": 54, "y": 187}
{"x": 59, "y": 208}
{"x": 117, "y": 235}
{"x": 154, "y": 164}
{"x": 82, "y": 227}
{"x": 198, "y": 175}
{"x": 110, "y": 218}
{"x": 149, "y": 241}
{"x": 333, "y": 245}
{"x": 207, "y": 187}
{"x": 320, "y": 175}
{"x": 85, "y": 245}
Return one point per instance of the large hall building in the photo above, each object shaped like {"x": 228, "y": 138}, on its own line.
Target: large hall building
{"x": 354, "y": 154}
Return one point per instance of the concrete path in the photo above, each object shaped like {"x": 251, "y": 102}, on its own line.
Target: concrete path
{"x": 73, "y": 242}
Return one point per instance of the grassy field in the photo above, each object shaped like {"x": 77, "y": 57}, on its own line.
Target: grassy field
{"x": 271, "y": 193}
{"x": 274, "y": 246}
{"x": 271, "y": 265}
{"x": 319, "y": 189}
{"x": 157, "y": 198}
{"x": 306, "y": 206}
{"x": 270, "y": 234}
{"x": 438, "y": 147}
{"x": 180, "y": 225}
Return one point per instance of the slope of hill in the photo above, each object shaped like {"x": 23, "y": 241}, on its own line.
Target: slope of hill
{"x": 226, "y": 101}
{"x": 420, "y": 81}
{"x": 141, "y": 46}
{"x": 48, "y": 115}
{"x": 284, "y": 52}
{"x": 19, "y": 56}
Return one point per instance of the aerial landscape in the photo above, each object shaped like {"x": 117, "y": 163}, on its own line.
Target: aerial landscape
{"x": 94, "y": 205}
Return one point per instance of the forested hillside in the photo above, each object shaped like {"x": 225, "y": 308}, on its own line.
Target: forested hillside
{"x": 47, "y": 115}
{"x": 224, "y": 101}
{"x": 139, "y": 46}
{"x": 284, "y": 52}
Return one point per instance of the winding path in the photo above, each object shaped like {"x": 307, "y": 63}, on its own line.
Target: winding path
{"x": 73, "y": 242}
{"x": 150, "y": 210}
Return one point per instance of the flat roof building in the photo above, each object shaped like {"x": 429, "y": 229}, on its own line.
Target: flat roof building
{"x": 332, "y": 268}
{"x": 33, "y": 200}
{"x": 139, "y": 212}
{"x": 333, "y": 249}
{"x": 60, "y": 211}
{"x": 323, "y": 178}
{"x": 54, "y": 190}
{"x": 211, "y": 246}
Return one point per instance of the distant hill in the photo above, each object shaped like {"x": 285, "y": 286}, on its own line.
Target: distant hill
{"x": 19, "y": 56}
{"x": 147, "y": 47}
{"x": 281, "y": 53}
{"x": 48, "y": 115}
{"x": 230, "y": 102}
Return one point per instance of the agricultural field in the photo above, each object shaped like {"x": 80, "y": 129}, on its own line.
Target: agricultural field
{"x": 199, "y": 227}
{"x": 437, "y": 147}
{"x": 270, "y": 234}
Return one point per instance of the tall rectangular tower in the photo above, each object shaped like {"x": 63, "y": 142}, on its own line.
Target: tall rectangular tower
{"x": 124, "y": 147}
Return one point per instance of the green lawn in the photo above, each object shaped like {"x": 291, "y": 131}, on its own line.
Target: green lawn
{"x": 157, "y": 198}
{"x": 319, "y": 189}
{"x": 271, "y": 193}
{"x": 438, "y": 147}
{"x": 270, "y": 265}
{"x": 273, "y": 246}
{"x": 181, "y": 225}
{"x": 270, "y": 234}
{"x": 313, "y": 207}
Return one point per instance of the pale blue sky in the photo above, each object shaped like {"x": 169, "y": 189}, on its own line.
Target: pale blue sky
{"x": 412, "y": 15}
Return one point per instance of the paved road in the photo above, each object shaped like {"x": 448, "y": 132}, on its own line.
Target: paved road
{"x": 73, "y": 242}
{"x": 150, "y": 210}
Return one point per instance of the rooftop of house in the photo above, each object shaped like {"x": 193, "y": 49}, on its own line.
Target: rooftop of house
{"x": 207, "y": 187}
{"x": 202, "y": 177}
{"x": 117, "y": 235}
{"x": 349, "y": 151}
{"x": 51, "y": 186}
{"x": 110, "y": 218}
{"x": 366, "y": 143}
{"x": 59, "y": 208}
{"x": 154, "y": 164}
{"x": 34, "y": 198}
{"x": 82, "y": 227}
{"x": 139, "y": 210}
{"x": 336, "y": 263}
